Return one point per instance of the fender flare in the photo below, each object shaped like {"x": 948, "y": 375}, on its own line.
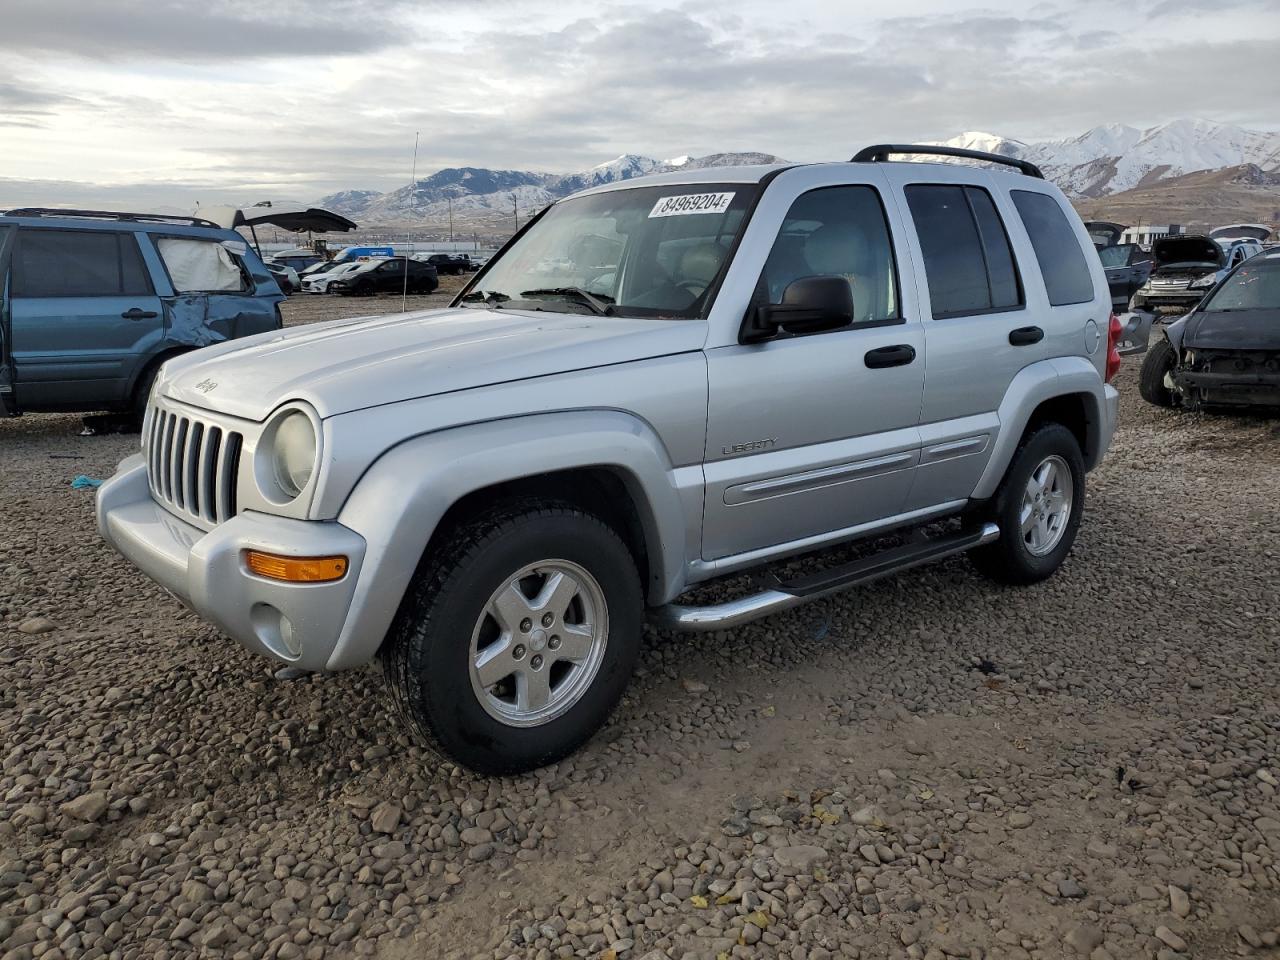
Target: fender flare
{"x": 1032, "y": 386}
{"x": 401, "y": 498}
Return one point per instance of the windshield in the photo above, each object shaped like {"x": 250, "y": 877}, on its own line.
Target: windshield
{"x": 1254, "y": 286}
{"x": 639, "y": 252}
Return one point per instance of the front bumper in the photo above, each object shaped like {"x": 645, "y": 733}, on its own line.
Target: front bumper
{"x": 295, "y": 623}
{"x": 1230, "y": 389}
{"x": 1174, "y": 301}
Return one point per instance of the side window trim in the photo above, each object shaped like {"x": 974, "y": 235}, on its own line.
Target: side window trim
{"x": 761, "y": 295}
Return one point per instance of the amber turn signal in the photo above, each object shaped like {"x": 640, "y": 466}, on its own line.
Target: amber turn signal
{"x": 295, "y": 569}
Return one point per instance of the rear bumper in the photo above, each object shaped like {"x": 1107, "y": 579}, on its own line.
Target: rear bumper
{"x": 297, "y": 623}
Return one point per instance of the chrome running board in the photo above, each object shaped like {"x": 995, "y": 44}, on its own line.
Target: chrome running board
{"x": 784, "y": 595}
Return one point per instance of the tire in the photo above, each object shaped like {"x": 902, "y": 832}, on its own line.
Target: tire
{"x": 1160, "y": 360}
{"x": 142, "y": 392}
{"x": 1016, "y": 558}
{"x": 447, "y": 617}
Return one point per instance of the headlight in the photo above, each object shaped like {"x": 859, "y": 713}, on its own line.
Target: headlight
{"x": 293, "y": 453}
{"x": 1205, "y": 281}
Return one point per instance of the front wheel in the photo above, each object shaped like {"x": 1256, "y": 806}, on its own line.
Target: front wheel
{"x": 1159, "y": 362}
{"x": 516, "y": 640}
{"x": 1038, "y": 508}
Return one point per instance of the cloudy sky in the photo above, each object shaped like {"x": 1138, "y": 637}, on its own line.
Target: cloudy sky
{"x": 165, "y": 102}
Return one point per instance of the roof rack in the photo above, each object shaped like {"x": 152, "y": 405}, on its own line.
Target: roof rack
{"x": 111, "y": 215}
{"x": 880, "y": 153}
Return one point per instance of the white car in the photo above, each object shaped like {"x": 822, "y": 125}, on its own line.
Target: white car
{"x": 319, "y": 282}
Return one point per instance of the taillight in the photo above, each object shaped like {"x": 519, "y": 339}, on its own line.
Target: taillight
{"x": 1114, "y": 330}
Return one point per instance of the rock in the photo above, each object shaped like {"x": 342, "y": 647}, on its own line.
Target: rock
{"x": 800, "y": 858}
{"x": 474, "y": 835}
{"x": 1070, "y": 889}
{"x": 1179, "y": 902}
{"x": 1101, "y": 849}
{"x": 734, "y": 827}
{"x": 88, "y": 808}
{"x": 385, "y": 817}
{"x": 1084, "y": 938}
{"x": 185, "y": 928}
{"x": 1171, "y": 939}
{"x": 480, "y": 852}
{"x": 869, "y": 854}
{"x": 1019, "y": 820}
{"x": 693, "y": 686}
{"x": 219, "y": 935}
{"x": 1250, "y": 936}
{"x": 37, "y": 625}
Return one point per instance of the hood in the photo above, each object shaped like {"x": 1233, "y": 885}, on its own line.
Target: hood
{"x": 1187, "y": 250}
{"x": 1233, "y": 330}
{"x": 346, "y": 365}
{"x": 1104, "y": 233}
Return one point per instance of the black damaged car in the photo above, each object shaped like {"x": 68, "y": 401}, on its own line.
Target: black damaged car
{"x": 1226, "y": 352}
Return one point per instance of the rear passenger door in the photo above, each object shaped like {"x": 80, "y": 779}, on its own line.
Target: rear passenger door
{"x": 978, "y": 330}
{"x": 83, "y": 310}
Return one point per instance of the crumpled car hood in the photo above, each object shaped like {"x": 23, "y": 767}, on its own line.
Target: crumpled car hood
{"x": 1234, "y": 330}
{"x": 346, "y": 365}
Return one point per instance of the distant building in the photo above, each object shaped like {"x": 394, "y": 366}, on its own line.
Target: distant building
{"x": 1146, "y": 233}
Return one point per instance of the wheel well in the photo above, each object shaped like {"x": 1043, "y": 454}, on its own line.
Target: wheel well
{"x": 154, "y": 364}
{"x": 1075, "y": 412}
{"x": 600, "y": 491}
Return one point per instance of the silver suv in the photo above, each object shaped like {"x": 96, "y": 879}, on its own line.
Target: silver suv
{"x": 654, "y": 384}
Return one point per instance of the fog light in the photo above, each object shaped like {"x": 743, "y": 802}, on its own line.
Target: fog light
{"x": 296, "y": 569}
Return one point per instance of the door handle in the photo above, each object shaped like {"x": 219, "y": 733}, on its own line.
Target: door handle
{"x": 898, "y": 355}
{"x": 137, "y": 313}
{"x": 1025, "y": 336}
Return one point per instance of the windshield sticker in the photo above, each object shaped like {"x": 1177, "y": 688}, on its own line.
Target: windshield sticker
{"x": 689, "y": 203}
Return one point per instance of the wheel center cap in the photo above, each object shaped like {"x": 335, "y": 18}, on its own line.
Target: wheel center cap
{"x": 538, "y": 640}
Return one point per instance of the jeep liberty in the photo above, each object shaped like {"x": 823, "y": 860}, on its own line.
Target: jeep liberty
{"x": 655, "y": 383}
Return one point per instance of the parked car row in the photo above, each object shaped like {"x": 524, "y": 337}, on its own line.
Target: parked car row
{"x": 365, "y": 270}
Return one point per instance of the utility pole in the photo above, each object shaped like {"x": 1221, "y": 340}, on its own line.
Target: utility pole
{"x": 451, "y": 221}
{"x": 515, "y": 211}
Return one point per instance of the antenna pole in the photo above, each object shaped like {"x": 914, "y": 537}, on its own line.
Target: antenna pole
{"x": 408, "y": 235}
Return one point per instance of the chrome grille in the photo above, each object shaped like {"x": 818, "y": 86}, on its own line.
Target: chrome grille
{"x": 193, "y": 465}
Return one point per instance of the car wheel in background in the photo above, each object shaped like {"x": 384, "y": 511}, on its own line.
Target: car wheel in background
{"x": 1160, "y": 360}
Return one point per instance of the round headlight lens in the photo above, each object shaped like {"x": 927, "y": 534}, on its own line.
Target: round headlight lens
{"x": 293, "y": 453}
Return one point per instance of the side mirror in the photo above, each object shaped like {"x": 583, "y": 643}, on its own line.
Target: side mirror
{"x": 809, "y": 305}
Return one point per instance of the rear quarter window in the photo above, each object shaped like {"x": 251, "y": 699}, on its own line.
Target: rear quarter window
{"x": 1062, "y": 264}
{"x": 200, "y": 266}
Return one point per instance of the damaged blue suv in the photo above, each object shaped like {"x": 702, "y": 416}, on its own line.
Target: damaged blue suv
{"x": 92, "y": 303}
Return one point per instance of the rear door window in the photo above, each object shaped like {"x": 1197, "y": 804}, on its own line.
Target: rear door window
{"x": 1065, "y": 271}
{"x": 969, "y": 265}
{"x": 78, "y": 263}
{"x": 200, "y": 266}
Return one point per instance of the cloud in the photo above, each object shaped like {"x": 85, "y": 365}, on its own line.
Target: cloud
{"x": 526, "y": 84}
{"x": 201, "y": 30}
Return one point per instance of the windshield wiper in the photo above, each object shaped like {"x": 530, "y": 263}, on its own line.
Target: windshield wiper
{"x": 600, "y": 303}
{"x": 490, "y": 297}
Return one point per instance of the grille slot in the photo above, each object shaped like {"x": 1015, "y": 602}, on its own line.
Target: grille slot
{"x": 192, "y": 466}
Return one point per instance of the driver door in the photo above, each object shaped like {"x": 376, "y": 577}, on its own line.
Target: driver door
{"x": 810, "y": 436}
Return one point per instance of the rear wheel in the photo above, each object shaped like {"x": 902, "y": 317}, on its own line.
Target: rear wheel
{"x": 1159, "y": 362}
{"x": 516, "y": 640}
{"x": 1038, "y": 508}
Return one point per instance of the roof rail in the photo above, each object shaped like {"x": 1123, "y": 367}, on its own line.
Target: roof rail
{"x": 111, "y": 215}
{"x": 880, "y": 153}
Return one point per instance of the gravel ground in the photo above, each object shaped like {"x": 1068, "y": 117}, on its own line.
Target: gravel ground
{"x": 929, "y": 767}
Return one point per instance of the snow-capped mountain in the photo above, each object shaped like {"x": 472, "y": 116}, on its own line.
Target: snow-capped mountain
{"x": 470, "y": 192}
{"x": 1115, "y": 157}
